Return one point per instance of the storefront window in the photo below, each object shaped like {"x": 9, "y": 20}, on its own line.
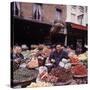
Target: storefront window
{"x": 73, "y": 7}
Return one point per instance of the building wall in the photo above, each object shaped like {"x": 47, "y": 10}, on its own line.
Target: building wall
{"x": 68, "y": 14}
{"x": 49, "y": 14}
{"x": 26, "y": 10}
{"x": 48, "y": 11}
{"x": 76, "y": 12}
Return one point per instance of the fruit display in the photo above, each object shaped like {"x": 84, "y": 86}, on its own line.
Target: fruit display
{"x": 74, "y": 59}
{"x": 62, "y": 74}
{"x": 40, "y": 84}
{"x": 50, "y": 78}
{"x": 79, "y": 70}
{"x": 82, "y": 57}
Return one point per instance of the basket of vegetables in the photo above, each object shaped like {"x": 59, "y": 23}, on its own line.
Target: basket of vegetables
{"x": 79, "y": 70}
{"x": 59, "y": 76}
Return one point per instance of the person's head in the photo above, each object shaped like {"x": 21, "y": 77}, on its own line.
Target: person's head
{"x": 17, "y": 49}
{"x": 58, "y": 48}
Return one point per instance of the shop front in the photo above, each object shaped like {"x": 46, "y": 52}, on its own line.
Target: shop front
{"x": 28, "y": 31}
{"x": 76, "y": 35}
{"x": 25, "y": 31}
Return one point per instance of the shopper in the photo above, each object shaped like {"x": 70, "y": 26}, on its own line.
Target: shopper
{"x": 16, "y": 54}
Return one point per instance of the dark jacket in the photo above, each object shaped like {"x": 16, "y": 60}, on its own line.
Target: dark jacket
{"x": 58, "y": 56}
{"x": 16, "y": 56}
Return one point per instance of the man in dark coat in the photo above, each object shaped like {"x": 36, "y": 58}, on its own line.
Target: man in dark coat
{"x": 16, "y": 54}
{"x": 58, "y": 54}
{"x": 16, "y": 58}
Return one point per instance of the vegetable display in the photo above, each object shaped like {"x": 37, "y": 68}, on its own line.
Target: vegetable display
{"x": 74, "y": 59}
{"x": 62, "y": 74}
{"x": 83, "y": 57}
{"x": 65, "y": 63}
{"x": 79, "y": 69}
{"x": 59, "y": 74}
{"x": 51, "y": 79}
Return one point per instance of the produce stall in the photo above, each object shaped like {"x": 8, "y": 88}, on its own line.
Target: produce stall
{"x": 80, "y": 74}
{"x": 59, "y": 76}
{"x": 71, "y": 71}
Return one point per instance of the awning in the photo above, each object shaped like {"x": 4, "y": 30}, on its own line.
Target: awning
{"x": 78, "y": 27}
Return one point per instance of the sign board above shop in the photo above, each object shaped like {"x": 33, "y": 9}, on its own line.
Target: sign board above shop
{"x": 78, "y": 27}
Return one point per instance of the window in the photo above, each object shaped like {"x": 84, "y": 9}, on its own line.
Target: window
{"x": 15, "y": 7}
{"x": 58, "y": 14}
{"x": 73, "y": 6}
{"x": 81, "y": 9}
{"x": 80, "y": 19}
{"x": 37, "y": 11}
{"x": 73, "y": 17}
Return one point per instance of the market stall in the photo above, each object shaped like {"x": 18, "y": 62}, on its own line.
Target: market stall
{"x": 38, "y": 71}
